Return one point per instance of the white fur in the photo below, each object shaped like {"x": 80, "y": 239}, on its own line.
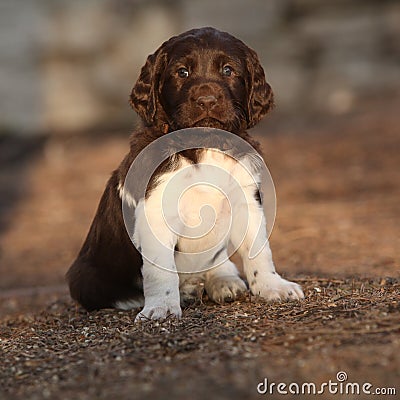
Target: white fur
{"x": 129, "y": 304}
{"x": 160, "y": 286}
{"x": 223, "y": 283}
{"x": 228, "y": 191}
{"x": 259, "y": 269}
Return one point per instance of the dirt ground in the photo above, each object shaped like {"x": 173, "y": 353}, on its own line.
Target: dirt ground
{"x": 336, "y": 233}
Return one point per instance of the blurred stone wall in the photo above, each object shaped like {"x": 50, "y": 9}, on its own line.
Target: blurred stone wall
{"x": 69, "y": 65}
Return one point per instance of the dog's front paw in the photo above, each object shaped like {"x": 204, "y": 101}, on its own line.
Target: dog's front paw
{"x": 159, "y": 311}
{"x": 275, "y": 288}
{"x": 225, "y": 288}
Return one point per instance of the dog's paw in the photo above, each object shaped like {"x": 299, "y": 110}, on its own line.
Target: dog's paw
{"x": 159, "y": 311}
{"x": 191, "y": 292}
{"x": 225, "y": 288}
{"x": 190, "y": 297}
{"x": 276, "y": 288}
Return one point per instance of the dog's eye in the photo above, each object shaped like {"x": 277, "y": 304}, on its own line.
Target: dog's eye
{"x": 183, "y": 72}
{"x": 227, "y": 70}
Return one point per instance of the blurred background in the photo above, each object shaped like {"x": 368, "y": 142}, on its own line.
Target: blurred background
{"x": 66, "y": 71}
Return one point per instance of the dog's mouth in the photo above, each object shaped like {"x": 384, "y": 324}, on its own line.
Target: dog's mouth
{"x": 209, "y": 122}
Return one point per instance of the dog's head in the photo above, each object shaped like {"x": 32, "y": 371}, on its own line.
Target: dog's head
{"x": 202, "y": 77}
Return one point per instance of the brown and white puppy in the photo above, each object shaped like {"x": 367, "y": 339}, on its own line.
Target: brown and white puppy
{"x": 201, "y": 78}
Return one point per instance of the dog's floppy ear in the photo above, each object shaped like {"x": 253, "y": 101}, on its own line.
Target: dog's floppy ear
{"x": 144, "y": 96}
{"x": 261, "y": 97}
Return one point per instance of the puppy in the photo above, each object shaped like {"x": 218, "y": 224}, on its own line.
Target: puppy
{"x": 201, "y": 78}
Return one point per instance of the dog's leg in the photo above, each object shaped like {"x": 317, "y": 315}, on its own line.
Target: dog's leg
{"x": 256, "y": 254}
{"x": 223, "y": 283}
{"x": 160, "y": 278}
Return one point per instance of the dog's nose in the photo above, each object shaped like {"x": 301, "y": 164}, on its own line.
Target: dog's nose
{"x": 206, "y": 102}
